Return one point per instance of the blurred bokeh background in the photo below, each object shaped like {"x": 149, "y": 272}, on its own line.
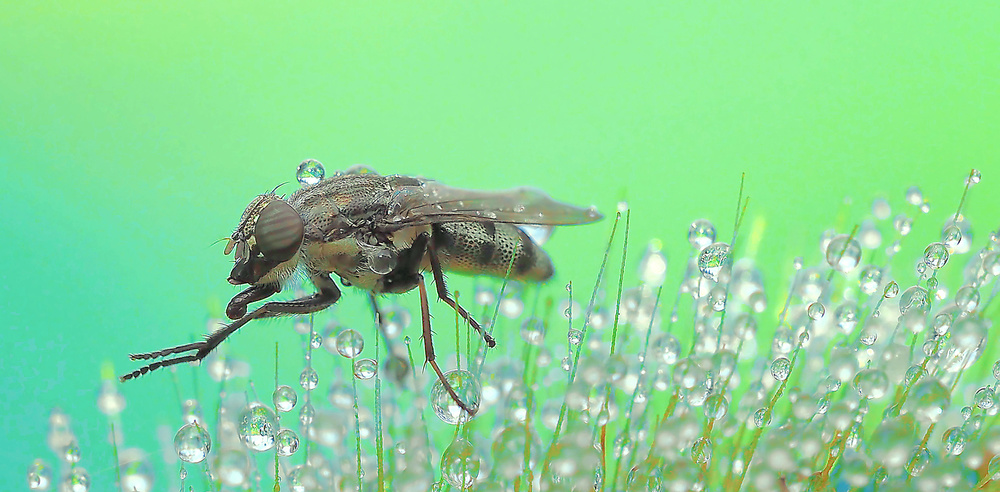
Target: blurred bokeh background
{"x": 133, "y": 134}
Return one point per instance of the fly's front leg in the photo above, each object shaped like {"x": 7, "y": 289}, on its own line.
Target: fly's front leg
{"x": 442, "y": 292}
{"x": 328, "y": 294}
{"x": 237, "y": 307}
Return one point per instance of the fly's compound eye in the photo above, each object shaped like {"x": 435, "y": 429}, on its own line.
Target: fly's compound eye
{"x": 278, "y": 231}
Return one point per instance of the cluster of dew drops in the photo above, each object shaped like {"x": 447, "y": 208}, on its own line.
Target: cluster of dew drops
{"x": 847, "y": 391}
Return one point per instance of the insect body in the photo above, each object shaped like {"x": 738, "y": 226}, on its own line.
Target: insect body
{"x": 378, "y": 233}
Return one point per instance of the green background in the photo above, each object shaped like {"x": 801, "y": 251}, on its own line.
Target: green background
{"x": 132, "y": 135}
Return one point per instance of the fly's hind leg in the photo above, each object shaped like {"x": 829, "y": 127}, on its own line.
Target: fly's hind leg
{"x": 425, "y": 319}
{"x": 442, "y": 292}
{"x": 327, "y": 295}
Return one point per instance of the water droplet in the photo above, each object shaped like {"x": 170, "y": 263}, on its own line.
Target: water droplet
{"x": 843, "y": 253}
{"x": 192, "y": 443}
{"x": 951, "y": 236}
{"x": 712, "y": 260}
{"x": 816, "y": 311}
{"x": 287, "y": 442}
{"x": 71, "y": 453}
{"x": 902, "y": 224}
{"x": 511, "y": 307}
{"x": 914, "y": 196}
{"x": 653, "y": 265}
{"x": 716, "y": 407}
{"x": 307, "y": 413}
{"x": 467, "y": 388}
{"x": 974, "y": 177}
{"x": 915, "y": 298}
{"x": 109, "y": 401}
{"x": 985, "y": 398}
{"x": 310, "y": 172}
{"x": 701, "y": 451}
{"x": 39, "y": 476}
{"x": 316, "y": 341}
{"x": 871, "y": 383}
{"x": 350, "y": 343}
{"x": 762, "y": 417}
{"x": 460, "y": 464}
{"x": 575, "y": 336}
{"x": 308, "y": 379}
{"x": 533, "y": 331}
{"x": 258, "y": 427}
{"x": 967, "y": 298}
{"x": 365, "y": 368}
{"x": 701, "y": 234}
{"x": 284, "y": 398}
{"x": 381, "y": 260}
{"x": 891, "y": 290}
{"x": 881, "y": 209}
{"x": 871, "y": 277}
{"x": 77, "y": 480}
{"x": 936, "y": 255}
{"x": 781, "y": 368}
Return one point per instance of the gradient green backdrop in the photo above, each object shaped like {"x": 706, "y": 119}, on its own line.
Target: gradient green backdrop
{"x": 132, "y": 134}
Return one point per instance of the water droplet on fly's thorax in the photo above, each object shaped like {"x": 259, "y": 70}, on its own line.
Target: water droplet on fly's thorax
{"x": 467, "y": 388}
{"x": 381, "y": 260}
{"x": 310, "y": 172}
{"x": 192, "y": 443}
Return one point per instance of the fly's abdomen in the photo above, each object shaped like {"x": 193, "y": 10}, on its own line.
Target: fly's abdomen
{"x": 487, "y": 248}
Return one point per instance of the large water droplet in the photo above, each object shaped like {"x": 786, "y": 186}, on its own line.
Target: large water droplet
{"x": 701, "y": 234}
{"x": 287, "y": 442}
{"x": 467, "y": 388}
{"x": 936, "y": 255}
{"x": 712, "y": 260}
{"x": 350, "y": 343}
{"x": 192, "y": 443}
{"x": 284, "y": 398}
{"x": 460, "y": 463}
{"x": 258, "y": 427}
{"x": 843, "y": 253}
{"x": 365, "y": 368}
{"x": 310, "y": 172}
{"x": 781, "y": 368}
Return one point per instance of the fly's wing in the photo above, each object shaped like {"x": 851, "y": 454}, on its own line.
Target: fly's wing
{"x": 416, "y": 201}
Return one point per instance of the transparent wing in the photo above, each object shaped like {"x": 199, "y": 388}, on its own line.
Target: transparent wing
{"x": 419, "y": 201}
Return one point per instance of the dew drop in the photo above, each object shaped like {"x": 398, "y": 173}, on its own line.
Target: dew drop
{"x": 891, "y": 290}
{"x": 781, "y": 368}
{"x": 914, "y": 196}
{"x": 39, "y": 476}
{"x": 284, "y": 398}
{"x": 575, "y": 336}
{"x": 310, "y": 172}
{"x": 258, "y": 427}
{"x": 467, "y": 388}
{"x": 287, "y": 442}
{"x": 712, "y": 259}
{"x": 533, "y": 331}
{"x": 192, "y": 443}
{"x": 701, "y": 451}
{"x": 365, "y": 368}
{"x": 350, "y": 343}
{"x": 762, "y": 417}
{"x": 816, "y": 311}
{"x": 985, "y": 398}
{"x": 460, "y": 464}
{"x": 843, "y": 253}
{"x": 701, "y": 234}
{"x": 871, "y": 277}
{"x": 974, "y": 177}
{"x": 936, "y": 255}
{"x": 77, "y": 480}
{"x": 308, "y": 379}
{"x": 915, "y": 298}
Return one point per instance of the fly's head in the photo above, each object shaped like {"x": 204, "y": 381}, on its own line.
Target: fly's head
{"x": 269, "y": 235}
